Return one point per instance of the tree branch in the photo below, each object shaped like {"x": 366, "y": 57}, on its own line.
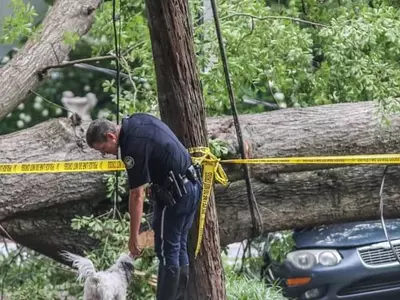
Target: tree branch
{"x": 109, "y": 72}
{"x": 273, "y": 17}
{"x": 78, "y": 61}
{"x": 20, "y": 75}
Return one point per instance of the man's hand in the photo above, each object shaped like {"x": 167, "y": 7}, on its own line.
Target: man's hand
{"x": 134, "y": 246}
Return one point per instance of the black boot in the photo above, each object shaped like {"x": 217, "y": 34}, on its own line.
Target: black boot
{"x": 168, "y": 277}
{"x": 183, "y": 283}
{"x": 160, "y": 277}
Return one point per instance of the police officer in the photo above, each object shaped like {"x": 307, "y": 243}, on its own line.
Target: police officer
{"x": 153, "y": 155}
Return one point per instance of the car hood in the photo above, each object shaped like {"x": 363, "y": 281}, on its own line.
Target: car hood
{"x": 347, "y": 234}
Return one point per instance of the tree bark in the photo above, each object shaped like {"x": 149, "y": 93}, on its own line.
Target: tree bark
{"x": 36, "y": 209}
{"x": 299, "y": 196}
{"x": 23, "y": 72}
{"x": 179, "y": 94}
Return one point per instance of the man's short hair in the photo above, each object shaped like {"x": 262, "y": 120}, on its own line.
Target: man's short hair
{"x": 96, "y": 133}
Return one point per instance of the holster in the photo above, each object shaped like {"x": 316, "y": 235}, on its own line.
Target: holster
{"x": 174, "y": 186}
{"x": 194, "y": 173}
{"x": 163, "y": 195}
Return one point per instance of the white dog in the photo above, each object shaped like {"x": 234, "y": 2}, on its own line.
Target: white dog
{"x": 111, "y": 284}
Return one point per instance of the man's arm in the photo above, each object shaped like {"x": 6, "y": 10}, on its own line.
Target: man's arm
{"x": 136, "y": 198}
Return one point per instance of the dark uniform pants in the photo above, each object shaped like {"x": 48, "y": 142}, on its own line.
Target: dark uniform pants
{"x": 171, "y": 226}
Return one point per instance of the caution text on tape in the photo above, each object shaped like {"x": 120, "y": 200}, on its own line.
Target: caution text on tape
{"x": 62, "y": 167}
{"x": 212, "y": 170}
{"x": 208, "y": 179}
{"x": 345, "y": 159}
{"x": 118, "y": 165}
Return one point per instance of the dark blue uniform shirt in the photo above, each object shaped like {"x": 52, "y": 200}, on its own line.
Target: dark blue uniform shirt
{"x": 150, "y": 150}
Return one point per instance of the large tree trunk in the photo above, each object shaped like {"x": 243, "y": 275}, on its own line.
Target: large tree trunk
{"x": 23, "y": 72}
{"x": 32, "y": 204}
{"x": 180, "y": 95}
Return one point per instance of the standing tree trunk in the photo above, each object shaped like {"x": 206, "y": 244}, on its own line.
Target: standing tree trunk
{"x": 180, "y": 95}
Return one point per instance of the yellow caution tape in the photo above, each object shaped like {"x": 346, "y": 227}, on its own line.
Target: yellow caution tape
{"x": 206, "y": 158}
{"x": 62, "y": 167}
{"x": 211, "y": 168}
{"x": 210, "y": 159}
{"x": 345, "y": 159}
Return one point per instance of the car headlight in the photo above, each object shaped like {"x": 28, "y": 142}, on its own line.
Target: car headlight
{"x": 328, "y": 258}
{"x": 303, "y": 260}
{"x": 306, "y": 259}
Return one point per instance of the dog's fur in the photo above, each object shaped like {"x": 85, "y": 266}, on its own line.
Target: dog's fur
{"x": 111, "y": 284}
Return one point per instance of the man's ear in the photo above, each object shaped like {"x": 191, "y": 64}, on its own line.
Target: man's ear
{"x": 111, "y": 136}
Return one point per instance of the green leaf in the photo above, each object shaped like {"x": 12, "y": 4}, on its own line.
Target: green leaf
{"x": 71, "y": 38}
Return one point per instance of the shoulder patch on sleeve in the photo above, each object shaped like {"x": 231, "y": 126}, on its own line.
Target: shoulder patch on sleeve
{"x": 129, "y": 162}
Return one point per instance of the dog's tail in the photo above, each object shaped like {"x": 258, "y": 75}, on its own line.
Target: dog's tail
{"x": 84, "y": 265}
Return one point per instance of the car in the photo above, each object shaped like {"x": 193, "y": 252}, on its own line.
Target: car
{"x": 347, "y": 261}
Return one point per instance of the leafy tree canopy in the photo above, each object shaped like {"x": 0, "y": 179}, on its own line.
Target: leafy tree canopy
{"x": 342, "y": 51}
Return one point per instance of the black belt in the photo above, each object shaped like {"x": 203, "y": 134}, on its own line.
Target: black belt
{"x": 189, "y": 176}
{"x": 174, "y": 186}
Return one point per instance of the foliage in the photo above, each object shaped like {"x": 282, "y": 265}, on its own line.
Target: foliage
{"x": 218, "y": 147}
{"x": 271, "y": 59}
{"x": 139, "y": 88}
{"x": 114, "y": 191}
{"x": 244, "y": 274}
{"x": 242, "y": 287}
{"x": 351, "y": 56}
{"x": 280, "y": 245}
{"x": 71, "y": 39}
{"x": 27, "y": 275}
{"x": 20, "y": 24}
{"x": 368, "y": 38}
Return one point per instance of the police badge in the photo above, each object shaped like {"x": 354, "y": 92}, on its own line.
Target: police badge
{"x": 129, "y": 162}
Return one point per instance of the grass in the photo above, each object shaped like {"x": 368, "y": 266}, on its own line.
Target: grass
{"x": 242, "y": 287}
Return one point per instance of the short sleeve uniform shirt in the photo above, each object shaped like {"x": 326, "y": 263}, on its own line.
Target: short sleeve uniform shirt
{"x": 150, "y": 150}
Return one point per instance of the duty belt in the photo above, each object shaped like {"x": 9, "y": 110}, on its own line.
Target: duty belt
{"x": 192, "y": 173}
{"x": 174, "y": 185}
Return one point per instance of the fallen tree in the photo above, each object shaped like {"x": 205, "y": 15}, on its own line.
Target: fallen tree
{"x": 36, "y": 209}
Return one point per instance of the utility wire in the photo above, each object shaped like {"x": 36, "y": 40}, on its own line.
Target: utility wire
{"x": 382, "y": 218}
{"x": 257, "y": 223}
{"x": 117, "y": 45}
